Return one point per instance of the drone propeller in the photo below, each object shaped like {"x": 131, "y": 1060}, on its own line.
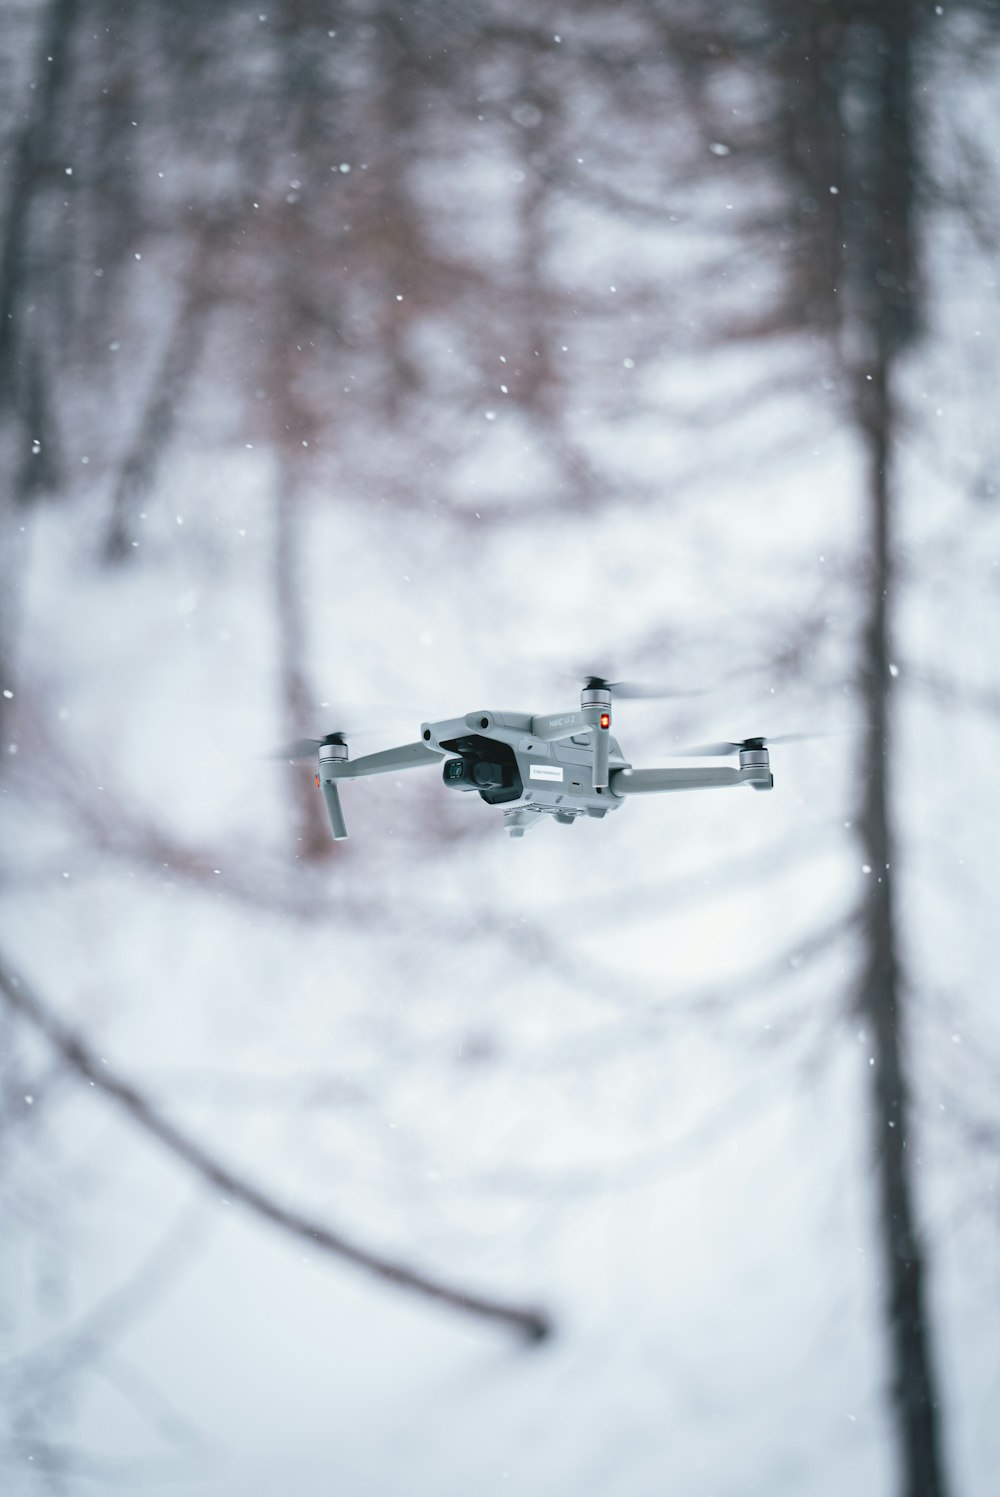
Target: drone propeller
{"x": 635, "y": 690}
{"x": 595, "y": 707}
{"x": 308, "y": 748}
{"x": 729, "y": 746}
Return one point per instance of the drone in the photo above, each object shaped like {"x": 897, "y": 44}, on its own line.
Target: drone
{"x": 550, "y": 768}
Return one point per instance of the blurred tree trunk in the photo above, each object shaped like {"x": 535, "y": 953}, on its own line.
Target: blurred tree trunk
{"x": 312, "y": 836}
{"x": 29, "y": 444}
{"x": 306, "y": 107}
{"x": 860, "y": 274}
{"x": 881, "y": 1003}
{"x": 24, "y": 391}
{"x": 397, "y": 233}
{"x": 158, "y": 417}
{"x": 889, "y": 267}
{"x": 838, "y": 125}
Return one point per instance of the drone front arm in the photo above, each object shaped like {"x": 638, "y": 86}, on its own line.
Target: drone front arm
{"x": 333, "y": 768}
{"x": 657, "y": 781}
{"x": 409, "y": 756}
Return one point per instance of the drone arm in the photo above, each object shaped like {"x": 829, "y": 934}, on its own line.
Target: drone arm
{"x": 332, "y": 768}
{"x": 658, "y": 781}
{"x": 409, "y": 756}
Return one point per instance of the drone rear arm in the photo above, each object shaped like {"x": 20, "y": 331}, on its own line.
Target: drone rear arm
{"x": 657, "y": 781}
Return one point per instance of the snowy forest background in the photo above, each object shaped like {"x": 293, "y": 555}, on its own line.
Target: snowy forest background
{"x": 363, "y": 364}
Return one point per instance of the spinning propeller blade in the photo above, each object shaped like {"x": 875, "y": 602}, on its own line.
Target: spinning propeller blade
{"x": 308, "y": 748}
{"x": 731, "y": 746}
{"x": 636, "y": 690}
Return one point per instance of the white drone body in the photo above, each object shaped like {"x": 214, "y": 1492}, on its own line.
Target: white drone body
{"x": 537, "y": 768}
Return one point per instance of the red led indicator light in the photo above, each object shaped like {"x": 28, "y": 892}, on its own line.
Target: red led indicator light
{"x": 317, "y": 782}
{"x": 605, "y": 719}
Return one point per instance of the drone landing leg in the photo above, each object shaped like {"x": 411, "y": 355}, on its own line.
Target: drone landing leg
{"x": 334, "y": 810}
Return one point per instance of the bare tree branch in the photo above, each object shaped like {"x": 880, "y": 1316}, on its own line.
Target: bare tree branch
{"x": 533, "y": 1324}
